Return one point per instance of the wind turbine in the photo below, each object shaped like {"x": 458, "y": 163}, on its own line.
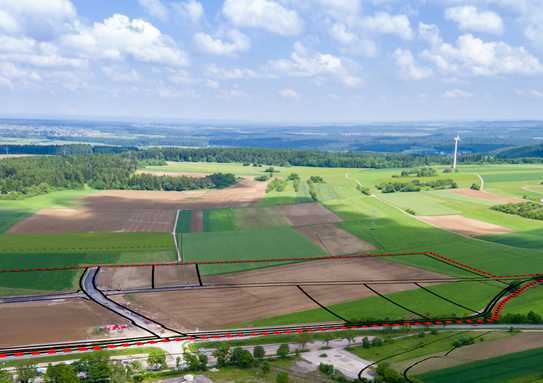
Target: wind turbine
{"x": 456, "y": 141}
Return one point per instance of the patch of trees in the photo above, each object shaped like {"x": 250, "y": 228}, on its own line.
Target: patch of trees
{"x": 386, "y": 374}
{"x": 416, "y": 186}
{"x": 29, "y": 176}
{"x": 422, "y": 172}
{"x": 277, "y": 184}
{"x": 530, "y": 318}
{"x": 67, "y": 150}
{"x": 363, "y": 189}
{"x": 532, "y": 210}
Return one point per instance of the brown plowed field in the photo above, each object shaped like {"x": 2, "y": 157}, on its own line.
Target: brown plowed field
{"x": 478, "y": 351}
{"x": 46, "y": 322}
{"x": 213, "y": 308}
{"x": 307, "y": 214}
{"x": 175, "y": 275}
{"x": 462, "y": 225}
{"x": 335, "y": 241}
{"x": 122, "y": 278}
{"x": 485, "y": 195}
{"x": 197, "y": 221}
{"x": 134, "y": 210}
{"x": 356, "y": 269}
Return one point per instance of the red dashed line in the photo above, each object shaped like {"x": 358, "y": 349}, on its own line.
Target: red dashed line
{"x": 497, "y": 310}
{"x": 460, "y": 264}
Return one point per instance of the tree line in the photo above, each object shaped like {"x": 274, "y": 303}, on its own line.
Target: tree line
{"x": 28, "y": 176}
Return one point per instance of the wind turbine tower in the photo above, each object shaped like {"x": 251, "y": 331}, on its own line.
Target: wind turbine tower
{"x": 456, "y": 141}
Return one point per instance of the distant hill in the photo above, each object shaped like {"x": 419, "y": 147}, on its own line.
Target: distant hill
{"x": 522, "y": 151}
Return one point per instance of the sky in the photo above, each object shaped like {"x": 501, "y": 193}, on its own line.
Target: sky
{"x": 273, "y": 60}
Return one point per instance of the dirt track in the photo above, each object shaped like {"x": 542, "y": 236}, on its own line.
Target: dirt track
{"x": 45, "y": 322}
{"x": 462, "y": 225}
{"x": 134, "y": 210}
{"x": 222, "y": 307}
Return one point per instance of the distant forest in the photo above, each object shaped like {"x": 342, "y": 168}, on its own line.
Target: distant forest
{"x": 28, "y": 176}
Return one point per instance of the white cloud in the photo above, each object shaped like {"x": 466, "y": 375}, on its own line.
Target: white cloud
{"x": 230, "y": 73}
{"x": 8, "y": 23}
{"x": 119, "y": 37}
{"x": 120, "y": 74}
{"x": 9, "y": 74}
{"x": 214, "y": 45}
{"x": 191, "y": 10}
{"x": 38, "y": 19}
{"x": 469, "y": 18}
{"x": 409, "y": 69}
{"x": 155, "y": 8}
{"x": 264, "y": 14}
{"x": 305, "y": 63}
{"x": 456, "y": 94}
{"x": 289, "y": 94}
{"x": 385, "y": 23}
{"x": 472, "y": 56}
{"x": 352, "y": 42}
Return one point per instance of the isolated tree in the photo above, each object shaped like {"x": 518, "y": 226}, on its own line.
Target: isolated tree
{"x": 303, "y": 339}
{"x": 222, "y": 354}
{"x": 157, "y": 359}
{"x": 96, "y": 367}
{"x": 350, "y": 336}
{"x": 61, "y": 373}
{"x": 366, "y": 342}
{"x": 259, "y": 353}
{"x": 202, "y": 361}
{"x": 328, "y": 337}
{"x": 26, "y": 372}
{"x": 241, "y": 358}
{"x": 265, "y": 367}
{"x": 119, "y": 373}
{"x": 283, "y": 351}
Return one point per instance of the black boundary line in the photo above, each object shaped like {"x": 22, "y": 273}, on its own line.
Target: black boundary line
{"x": 436, "y": 357}
{"x": 152, "y": 277}
{"x": 128, "y": 309}
{"x": 395, "y": 303}
{"x": 321, "y": 305}
{"x": 406, "y": 352}
{"x": 445, "y": 298}
{"x": 199, "y": 275}
{"x": 429, "y": 255}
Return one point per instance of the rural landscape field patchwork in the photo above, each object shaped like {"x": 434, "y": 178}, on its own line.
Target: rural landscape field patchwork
{"x": 284, "y": 249}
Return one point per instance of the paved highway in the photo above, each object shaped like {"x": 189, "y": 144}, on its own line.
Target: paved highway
{"x": 88, "y": 286}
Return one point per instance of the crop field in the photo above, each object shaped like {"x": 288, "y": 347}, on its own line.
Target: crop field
{"x": 422, "y": 203}
{"x": 271, "y": 243}
{"x": 495, "y": 370}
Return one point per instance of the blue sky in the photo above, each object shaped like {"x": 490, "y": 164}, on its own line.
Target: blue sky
{"x": 273, "y": 60}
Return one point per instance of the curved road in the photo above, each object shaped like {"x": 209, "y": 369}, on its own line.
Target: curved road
{"x": 88, "y": 286}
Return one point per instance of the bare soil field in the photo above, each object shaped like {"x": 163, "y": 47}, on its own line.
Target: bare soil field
{"x": 135, "y": 210}
{"x": 485, "y": 195}
{"x": 197, "y": 221}
{"x": 462, "y": 225}
{"x": 175, "y": 275}
{"x": 53, "y": 321}
{"x": 356, "y": 269}
{"x": 334, "y": 240}
{"x": 220, "y": 307}
{"x": 307, "y": 214}
{"x": 478, "y": 351}
{"x": 122, "y": 278}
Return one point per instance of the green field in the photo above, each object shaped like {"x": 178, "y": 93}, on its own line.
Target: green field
{"x": 508, "y": 368}
{"x": 244, "y": 218}
{"x": 271, "y": 243}
{"x": 183, "y": 222}
{"x": 12, "y": 211}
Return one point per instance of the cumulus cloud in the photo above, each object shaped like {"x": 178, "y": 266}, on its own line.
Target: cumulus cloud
{"x": 37, "y": 19}
{"x": 469, "y": 18}
{"x": 120, "y": 37}
{"x": 191, "y": 10}
{"x": 529, "y": 93}
{"x": 264, "y": 14}
{"x": 306, "y": 63}
{"x": 238, "y": 42}
{"x": 409, "y": 69}
{"x": 353, "y": 43}
{"x": 472, "y": 56}
{"x": 385, "y": 23}
{"x": 229, "y": 73}
{"x": 289, "y": 94}
{"x": 155, "y": 8}
{"x": 10, "y": 73}
{"x": 456, "y": 94}
{"x": 120, "y": 74}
